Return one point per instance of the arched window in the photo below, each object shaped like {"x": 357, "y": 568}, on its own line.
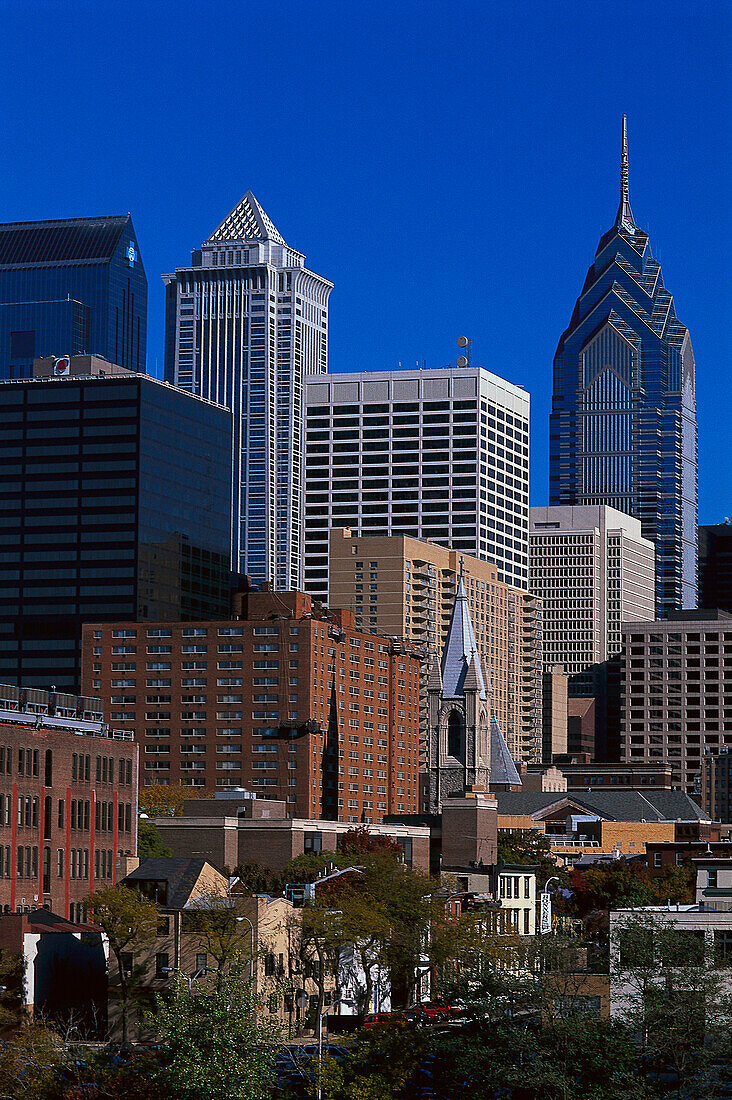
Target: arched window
{"x": 454, "y": 734}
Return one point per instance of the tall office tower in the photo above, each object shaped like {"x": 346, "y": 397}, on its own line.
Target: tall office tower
{"x": 243, "y": 324}
{"x": 71, "y": 287}
{"x": 115, "y": 491}
{"x": 715, "y": 566}
{"x": 677, "y": 692}
{"x": 434, "y": 454}
{"x": 622, "y": 431}
{"x": 406, "y": 588}
{"x": 592, "y": 570}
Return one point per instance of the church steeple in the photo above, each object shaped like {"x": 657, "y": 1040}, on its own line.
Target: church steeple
{"x": 624, "y": 219}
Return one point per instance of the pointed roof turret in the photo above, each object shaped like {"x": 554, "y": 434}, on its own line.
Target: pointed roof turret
{"x": 460, "y": 649}
{"x": 503, "y": 769}
{"x": 624, "y": 219}
{"x": 434, "y": 681}
{"x": 246, "y": 222}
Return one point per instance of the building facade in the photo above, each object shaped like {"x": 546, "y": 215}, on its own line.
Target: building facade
{"x": 243, "y": 324}
{"x": 441, "y": 455}
{"x": 715, "y": 789}
{"x": 405, "y": 587}
{"x": 68, "y": 801}
{"x": 291, "y": 702}
{"x": 623, "y": 430}
{"x": 554, "y": 713}
{"x": 715, "y": 566}
{"x": 676, "y": 685}
{"x": 116, "y": 493}
{"x": 71, "y": 287}
{"x": 592, "y": 571}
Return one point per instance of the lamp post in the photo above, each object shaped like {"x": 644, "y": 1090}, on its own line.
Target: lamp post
{"x": 321, "y": 1017}
{"x": 251, "y": 960}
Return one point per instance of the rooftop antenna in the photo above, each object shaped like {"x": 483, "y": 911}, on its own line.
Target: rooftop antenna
{"x": 467, "y": 359}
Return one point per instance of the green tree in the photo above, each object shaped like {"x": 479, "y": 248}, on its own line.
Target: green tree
{"x": 671, "y": 992}
{"x": 130, "y": 923}
{"x": 221, "y": 933}
{"x": 149, "y": 841}
{"x": 220, "y": 1042}
{"x": 30, "y": 1063}
{"x": 527, "y": 846}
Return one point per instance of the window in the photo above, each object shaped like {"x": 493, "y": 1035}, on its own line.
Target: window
{"x": 723, "y": 948}
{"x": 162, "y": 964}
{"x": 201, "y": 961}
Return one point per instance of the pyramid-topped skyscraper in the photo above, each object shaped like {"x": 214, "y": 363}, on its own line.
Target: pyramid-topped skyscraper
{"x": 243, "y": 324}
{"x": 623, "y": 426}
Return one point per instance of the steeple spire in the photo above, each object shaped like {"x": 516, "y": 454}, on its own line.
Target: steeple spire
{"x": 624, "y": 220}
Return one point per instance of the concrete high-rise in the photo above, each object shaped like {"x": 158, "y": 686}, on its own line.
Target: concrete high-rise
{"x": 243, "y": 324}
{"x": 623, "y": 429}
{"x": 71, "y": 287}
{"x": 676, "y": 686}
{"x": 592, "y": 570}
{"x": 433, "y": 454}
{"x": 405, "y": 587}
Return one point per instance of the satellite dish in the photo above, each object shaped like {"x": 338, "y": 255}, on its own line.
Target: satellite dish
{"x": 462, "y": 341}
{"x": 461, "y": 361}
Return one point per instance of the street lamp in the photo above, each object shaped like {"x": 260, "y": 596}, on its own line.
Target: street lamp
{"x": 251, "y": 961}
{"x": 321, "y": 1017}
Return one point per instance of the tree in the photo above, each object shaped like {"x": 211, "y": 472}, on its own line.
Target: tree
{"x": 255, "y": 878}
{"x": 225, "y": 937}
{"x": 623, "y": 884}
{"x": 220, "y": 1042}
{"x": 30, "y": 1062}
{"x": 162, "y": 800}
{"x": 359, "y": 842}
{"x": 130, "y": 922}
{"x": 671, "y": 992}
{"x": 149, "y": 841}
{"x": 527, "y": 846}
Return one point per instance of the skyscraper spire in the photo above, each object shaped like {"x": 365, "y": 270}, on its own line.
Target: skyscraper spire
{"x": 624, "y": 219}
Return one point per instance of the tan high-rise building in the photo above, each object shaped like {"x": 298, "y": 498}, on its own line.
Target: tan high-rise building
{"x": 405, "y": 587}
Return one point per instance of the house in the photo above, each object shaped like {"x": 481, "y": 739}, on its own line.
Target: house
{"x": 63, "y": 966}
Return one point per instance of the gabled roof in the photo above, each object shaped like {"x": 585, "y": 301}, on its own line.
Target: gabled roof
{"x": 246, "y": 222}
{"x": 503, "y": 768}
{"x": 69, "y": 240}
{"x": 460, "y": 649}
{"x": 180, "y": 874}
{"x": 609, "y": 805}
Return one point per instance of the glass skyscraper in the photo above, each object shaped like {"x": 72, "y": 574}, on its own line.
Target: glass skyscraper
{"x": 243, "y": 324}
{"x": 623, "y": 430}
{"x": 115, "y": 505}
{"x": 71, "y": 287}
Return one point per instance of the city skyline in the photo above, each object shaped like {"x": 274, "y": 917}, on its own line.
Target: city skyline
{"x": 483, "y": 161}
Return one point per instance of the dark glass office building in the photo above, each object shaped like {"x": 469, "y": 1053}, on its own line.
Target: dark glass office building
{"x": 715, "y": 566}
{"x": 623, "y": 426}
{"x": 115, "y": 495}
{"x": 71, "y": 287}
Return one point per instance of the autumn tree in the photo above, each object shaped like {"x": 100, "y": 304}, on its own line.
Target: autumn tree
{"x": 162, "y": 800}
{"x": 129, "y": 921}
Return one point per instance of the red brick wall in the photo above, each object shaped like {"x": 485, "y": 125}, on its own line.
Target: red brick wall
{"x": 290, "y": 671}
{"x": 78, "y": 823}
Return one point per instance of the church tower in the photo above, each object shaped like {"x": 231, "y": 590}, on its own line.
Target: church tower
{"x": 467, "y": 751}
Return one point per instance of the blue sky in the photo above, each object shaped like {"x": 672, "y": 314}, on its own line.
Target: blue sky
{"x": 449, "y": 166}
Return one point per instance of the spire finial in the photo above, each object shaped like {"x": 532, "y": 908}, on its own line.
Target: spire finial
{"x": 624, "y": 219}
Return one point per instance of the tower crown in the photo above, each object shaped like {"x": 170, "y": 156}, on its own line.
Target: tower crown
{"x": 460, "y": 649}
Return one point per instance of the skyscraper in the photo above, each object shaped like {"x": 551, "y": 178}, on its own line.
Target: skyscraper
{"x": 243, "y": 324}
{"x": 623, "y": 431}
{"x": 71, "y": 287}
{"x": 115, "y": 491}
{"x": 433, "y": 454}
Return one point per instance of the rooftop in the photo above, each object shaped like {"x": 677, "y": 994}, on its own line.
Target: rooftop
{"x": 64, "y": 241}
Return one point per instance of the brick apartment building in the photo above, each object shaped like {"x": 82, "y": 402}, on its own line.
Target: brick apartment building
{"x": 284, "y": 698}
{"x": 68, "y": 800}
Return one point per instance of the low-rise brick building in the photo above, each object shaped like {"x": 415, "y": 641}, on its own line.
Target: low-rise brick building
{"x": 286, "y": 698}
{"x": 68, "y": 801}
